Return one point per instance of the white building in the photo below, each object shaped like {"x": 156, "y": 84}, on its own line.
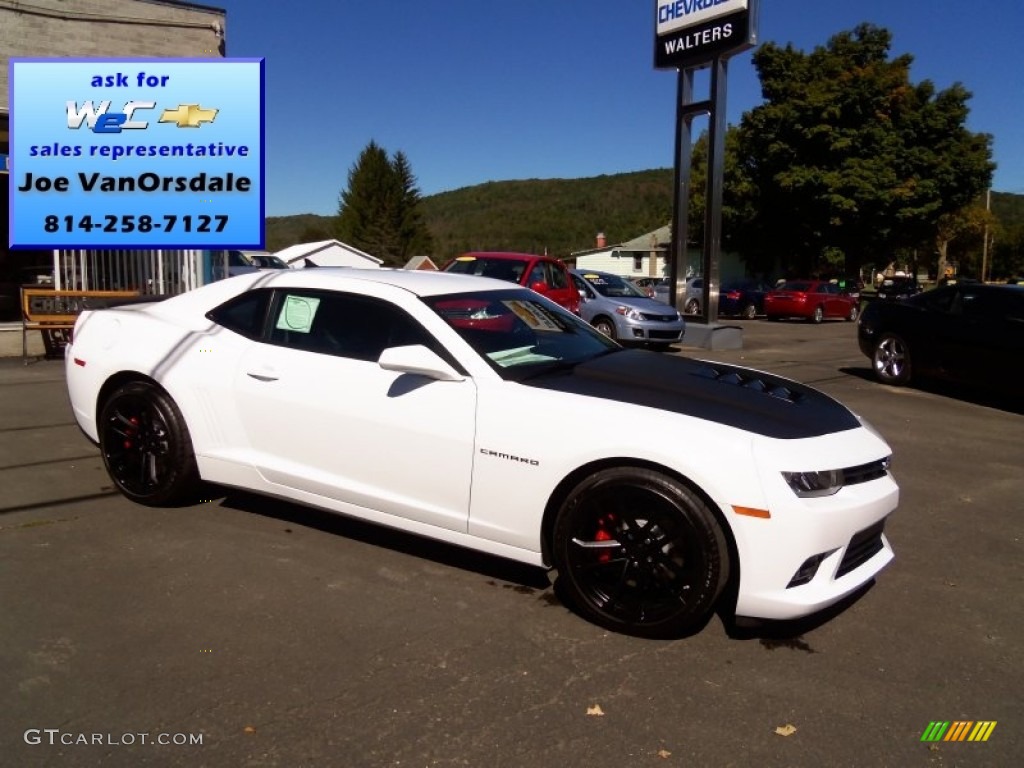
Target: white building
{"x": 327, "y": 253}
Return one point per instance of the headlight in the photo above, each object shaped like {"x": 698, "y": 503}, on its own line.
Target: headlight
{"x": 628, "y": 312}
{"x": 810, "y": 484}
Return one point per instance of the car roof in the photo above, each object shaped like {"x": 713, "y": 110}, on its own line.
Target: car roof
{"x": 418, "y": 282}
{"x": 512, "y": 255}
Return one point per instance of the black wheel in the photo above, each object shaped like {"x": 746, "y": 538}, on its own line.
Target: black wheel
{"x": 640, "y": 553}
{"x": 854, "y": 311}
{"x": 692, "y": 307}
{"x": 891, "y": 360}
{"x": 818, "y": 316}
{"x": 146, "y": 446}
{"x": 749, "y": 312}
{"x": 605, "y": 326}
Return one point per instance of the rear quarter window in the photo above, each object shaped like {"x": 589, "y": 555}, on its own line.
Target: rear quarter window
{"x": 245, "y": 314}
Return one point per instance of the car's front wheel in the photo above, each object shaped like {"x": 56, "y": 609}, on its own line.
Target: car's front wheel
{"x": 640, "y": 553}
{"x": 692, "y": 307}
{"x": 852, "y": 316}
{"x": 749, "y": 312}
{"x": 146, "y": 446}
{"x": 605, "y": 326}
{"x": 818, "y": 315}
{"x": 891, "y": 360}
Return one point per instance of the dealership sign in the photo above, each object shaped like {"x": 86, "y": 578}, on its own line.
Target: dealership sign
{"x": 693, "y": 32}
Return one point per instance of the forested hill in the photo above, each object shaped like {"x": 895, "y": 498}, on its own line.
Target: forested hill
{"x": 534, "y": 215}
{"x": 557, "y": 215}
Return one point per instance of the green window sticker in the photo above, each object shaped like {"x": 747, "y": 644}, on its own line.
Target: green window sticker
{"x": 297, "y": 313}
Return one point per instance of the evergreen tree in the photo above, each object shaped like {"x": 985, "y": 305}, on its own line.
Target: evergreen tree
{"x": 379, "y": 210}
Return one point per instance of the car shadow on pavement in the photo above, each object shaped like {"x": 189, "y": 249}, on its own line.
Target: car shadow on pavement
{"x": 789, "y": 634}
{"x": 520, "y": 574}
{"x": 945, "y": 389}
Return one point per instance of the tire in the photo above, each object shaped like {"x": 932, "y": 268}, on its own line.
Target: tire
{"x": 639, "y": 552}
{"x": 891, "y": 360}
{"x": 692, "y": 307}
{"x": 749, "y": 312}
{"x": 605, "y": 326}
{"x": 854, "y": 312}
{"x": 146, "y": 446}
{"x": 818, "y": 316}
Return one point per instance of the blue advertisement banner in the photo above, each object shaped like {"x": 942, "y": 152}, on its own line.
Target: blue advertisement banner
{"x": 136, "y": 153}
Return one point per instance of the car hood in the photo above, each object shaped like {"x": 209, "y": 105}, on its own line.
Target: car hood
{"x": 641, "y": 304}
{"x": 737, "y": 397}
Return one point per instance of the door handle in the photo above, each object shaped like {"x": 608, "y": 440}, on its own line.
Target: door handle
{"x": 261, "y": 377}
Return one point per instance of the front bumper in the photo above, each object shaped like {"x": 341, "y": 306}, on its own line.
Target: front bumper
{"x": 650, "y": 331}
{"x": 813, "y": 552}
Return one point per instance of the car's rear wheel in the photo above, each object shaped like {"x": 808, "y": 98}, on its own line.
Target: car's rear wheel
{"x": 146, "y": 446}
{"x": 818, "y": 315}
{"x": 692, "y": 307}
{"x": 891, "y": 360}
{"x": 750, "y": 312}
{"x": 640, "y": 553}
{"x": 854, "y": 311}
{"x": 605, "y": 326}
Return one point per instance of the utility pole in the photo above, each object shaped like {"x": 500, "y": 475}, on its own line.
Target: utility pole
{"x": 984, "y": 235}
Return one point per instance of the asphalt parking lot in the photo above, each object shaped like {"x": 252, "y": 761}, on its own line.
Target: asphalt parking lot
{"x": 278, "y": 636}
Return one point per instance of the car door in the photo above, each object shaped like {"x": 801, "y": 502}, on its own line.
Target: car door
{"x": 986, "y": 334}
{"x": 321, "y": 415}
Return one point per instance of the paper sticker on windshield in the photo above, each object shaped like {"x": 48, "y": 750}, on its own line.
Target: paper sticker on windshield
{"x": 297, "y": 313}
{"x": 532, "y": 315}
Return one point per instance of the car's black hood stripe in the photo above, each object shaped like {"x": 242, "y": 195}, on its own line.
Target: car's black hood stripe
{"x": 737, "y": 397}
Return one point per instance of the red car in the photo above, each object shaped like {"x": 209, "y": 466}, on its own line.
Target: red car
{"x": 811, "y": 299}
{"x": 543, "y": 274}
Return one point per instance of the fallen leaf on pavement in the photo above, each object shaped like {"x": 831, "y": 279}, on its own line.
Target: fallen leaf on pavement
{"x": 595, "y": 711}
{"x": 786, "y": 730}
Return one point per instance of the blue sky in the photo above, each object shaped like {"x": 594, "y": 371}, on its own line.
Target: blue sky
{"x": 475, "y": 91}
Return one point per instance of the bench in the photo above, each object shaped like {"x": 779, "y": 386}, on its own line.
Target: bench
{"x": 53, "y": 313}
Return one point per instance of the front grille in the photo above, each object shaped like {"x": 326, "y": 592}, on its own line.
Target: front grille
{"x": 663, "y": 334}
{"x": 864, "y": 473}
{"x": 659, "y": 318}
{"x": 862, "y": 547}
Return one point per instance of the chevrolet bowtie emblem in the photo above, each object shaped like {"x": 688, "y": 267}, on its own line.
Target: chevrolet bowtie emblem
{"x": 188, "y": 115}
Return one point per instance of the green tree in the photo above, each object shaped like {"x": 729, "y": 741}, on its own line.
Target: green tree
{"x": 379, "y": 210}
{"x": 847, "y": 156}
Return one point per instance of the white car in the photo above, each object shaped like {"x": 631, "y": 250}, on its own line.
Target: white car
{"x": 484, "y": 415}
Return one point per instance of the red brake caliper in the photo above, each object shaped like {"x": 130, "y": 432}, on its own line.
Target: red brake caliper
{"x": 134, "y": 421}
{"x": 602, "y": 535}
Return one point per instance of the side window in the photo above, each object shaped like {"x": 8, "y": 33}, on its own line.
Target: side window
{"x": 537, "y": 274}
{"x": 556, "y": 276}
{"x": 244, "y": 314}
{"x": 341, "y": 324}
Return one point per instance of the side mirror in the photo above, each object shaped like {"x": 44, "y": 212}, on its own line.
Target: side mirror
{"x": 540, "y": 287}
{"x": 417, "y": 359}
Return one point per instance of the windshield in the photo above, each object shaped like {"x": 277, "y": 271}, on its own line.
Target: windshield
{"x": 510, "y": 270}
{"x": 518, "y": 333}
{"x": 613, "y": 286}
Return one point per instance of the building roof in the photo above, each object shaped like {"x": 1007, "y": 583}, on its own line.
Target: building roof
{"x": 294, "y": 253}
{"x": 658, "y": 240}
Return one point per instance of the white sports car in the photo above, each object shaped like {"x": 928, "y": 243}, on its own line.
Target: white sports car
{"x": 485, "y": 415}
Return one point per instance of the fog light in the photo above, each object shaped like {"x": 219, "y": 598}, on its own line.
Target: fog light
{"x": 808, "y": 570}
